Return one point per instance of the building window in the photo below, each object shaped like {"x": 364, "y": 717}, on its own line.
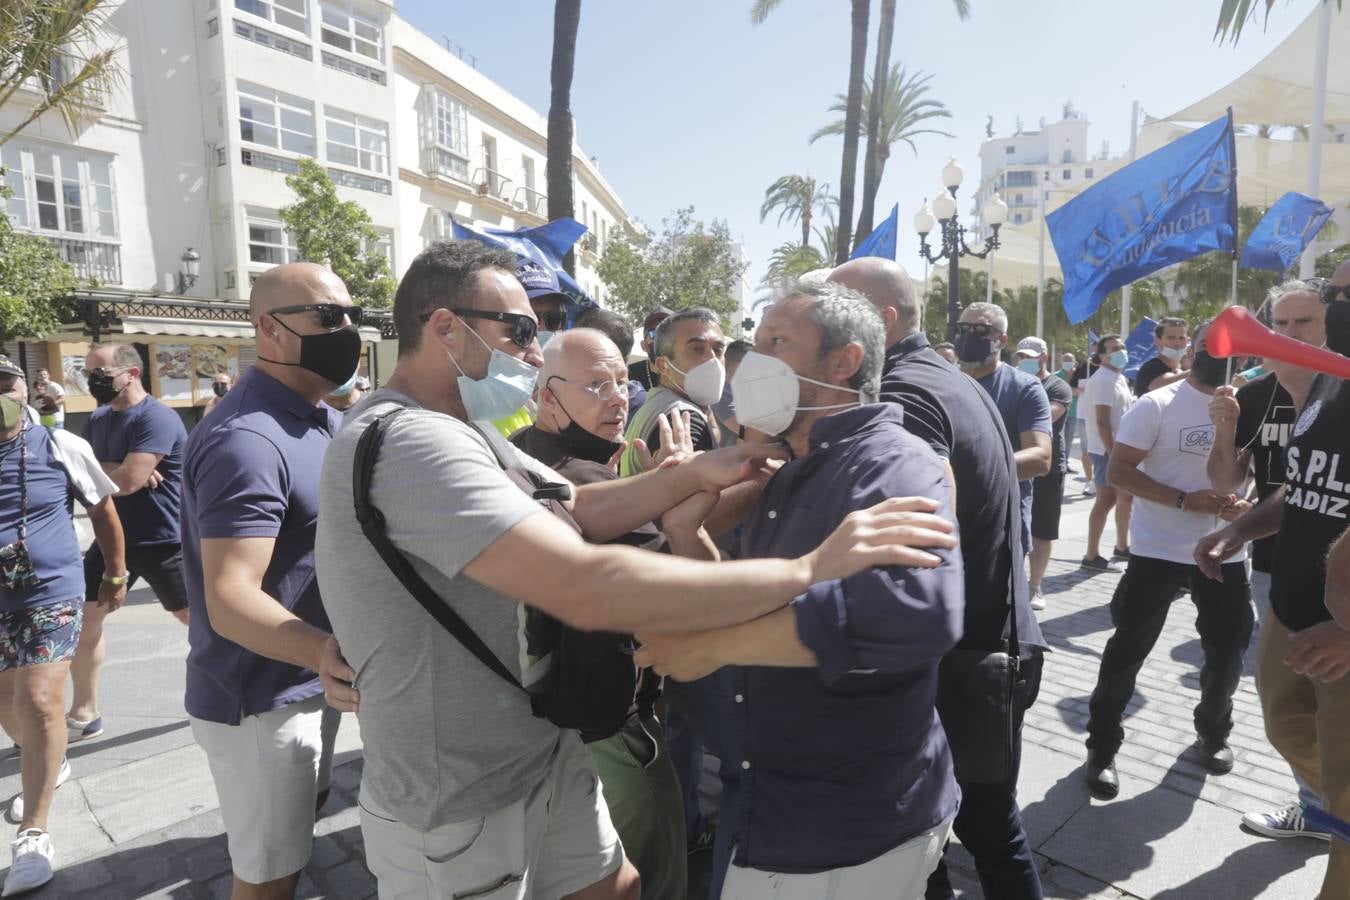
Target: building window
{"x": 356, "y": 141}
{"x": 59, "y": 191}
{"x": 269, "y": 243}
{"x": 1009, "y": 150}
{"x": 1068, "y": 174}
{"x": 262, "y": 36}
{"x": 383, "y": 245}
{"x": 346, "y": 30}
{"x": 351, "y": 67}
{"x": 361, "y": 182}
{"x": 259, "y": 160}
{"x": 1066, "y": 156}
{"x": 1017, "y": 218}
{"x": 274, "y": 119}
{"x": 290, "y": 13}
{"x": 449, "y": 136}
{"x": 1087, "y": 173}
{"x": 16, "y": 207}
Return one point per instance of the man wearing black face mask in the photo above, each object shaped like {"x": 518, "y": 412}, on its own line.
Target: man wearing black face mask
{"x": 583, "y": 405}
{"x": 1159, "y": 458}
{"x": 259, "y": 633}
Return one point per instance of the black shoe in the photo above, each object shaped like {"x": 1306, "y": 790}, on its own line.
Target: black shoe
{"x": 1099, "y": 564}
{"x": 1101, "y": 775}
{"x": 1218, "y": 758}
{"x": 1123, "y": 555}
{"x": 319, "y": 801}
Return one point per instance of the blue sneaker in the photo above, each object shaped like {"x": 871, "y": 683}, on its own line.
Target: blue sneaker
{"x": 82, "y": 731}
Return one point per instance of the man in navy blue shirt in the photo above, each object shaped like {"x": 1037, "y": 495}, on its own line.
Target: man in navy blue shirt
{"x": 139, "y": 442}
{"x": 42, "y": 601}
{"x": 258, "y": 632}
{"x": 847, "y": 778}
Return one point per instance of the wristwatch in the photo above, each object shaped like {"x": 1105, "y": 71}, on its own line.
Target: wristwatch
{"x": 116, "y": 580}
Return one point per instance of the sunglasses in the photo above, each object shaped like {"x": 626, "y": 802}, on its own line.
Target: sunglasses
{"x": 977, "y": 328}
{"x": 1328, "y": 292}
{"x": 553, "y": 320}
{"x": 523, "y": 328}
{"x": 112, "y": 372}
{"x": 330, "y": 314}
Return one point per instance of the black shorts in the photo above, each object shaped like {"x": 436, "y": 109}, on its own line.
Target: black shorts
{"x": 161, "y": 565}
{"x": 1047, "y": 497}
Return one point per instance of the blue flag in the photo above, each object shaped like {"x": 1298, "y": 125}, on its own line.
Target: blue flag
{"x": 545, "y": 244}
{"x": 1284, "y": 231}
{"x": 881, "y": 242}
{"x": 1139, "y": 344}
{"x": 1176, "y": 203}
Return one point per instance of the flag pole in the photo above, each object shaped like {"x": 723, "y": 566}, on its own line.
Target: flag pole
{"x": 1040, "y": 261}
{"x": 1307, "y": 263}
{"x": 1125, "y": 291}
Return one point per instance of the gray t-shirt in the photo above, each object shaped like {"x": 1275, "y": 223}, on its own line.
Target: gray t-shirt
{"x": 445, "y": 738}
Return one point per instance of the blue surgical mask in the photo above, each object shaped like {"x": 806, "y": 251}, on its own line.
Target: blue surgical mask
{"x": 1118, "y": 359}
{"x": 1030, "y": 366}
{"x": 509, "y": 382}
{"x": 345, "y": 388}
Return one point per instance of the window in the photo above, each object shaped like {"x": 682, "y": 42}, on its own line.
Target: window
{"x": 351, "y": 67}
{"x": 269, "y": 243}
{"x": 529, "y": 172}
{"x": 1066, "y": 156}
{"x": 1009, "y": 150}
{"x": 59, "y": 190}
{"x": 356, "y": 141}
{"x": 1068, "y": 174}
{"x": 361, "y": 182}
{"x": 451, "y": 135}
{"x": 1017, "y": 218}
{"x": 274, "y": 119}
{"x": 269, "y": 162}
{"x": 1017, "y": 199}
{"x": 268, "y": 39}
{"x": 351, "y": 32}
{"x": 1087, "y": 173}
{"x": 290, "y": 13}
{"x": 383, "y": 245}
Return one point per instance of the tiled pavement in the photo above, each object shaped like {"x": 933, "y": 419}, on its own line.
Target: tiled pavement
{"x": 140, "y": 818}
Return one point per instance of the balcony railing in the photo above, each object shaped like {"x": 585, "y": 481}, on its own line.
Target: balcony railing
{"x": 259, "y": 160}
{"x": 360, "y": 181}
{"x": 91, "y": 259}
{"x": 530, "y": 200}
{"x": 490, "y": 183}
{"x": 257, "y": 35}
{"x": 437, "y": 160}
{"x": 351, "y": 67}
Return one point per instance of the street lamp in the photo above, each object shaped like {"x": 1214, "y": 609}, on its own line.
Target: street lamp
{"x": 953, "y": 235}
{"x": 187, "y": 274}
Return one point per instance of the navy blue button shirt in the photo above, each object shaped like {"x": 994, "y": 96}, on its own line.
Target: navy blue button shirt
{"x": 252, "y": 470}
{"x": 846, "y": 761}
{"x": 148, "y": 516}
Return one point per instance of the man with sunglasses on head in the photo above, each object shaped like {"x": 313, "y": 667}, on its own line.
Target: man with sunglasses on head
{"x": 465, "y": 791}
{"x": 139, "y": 442}
{"x": 1304, "y": 653}
{"x": 258, "y": 632}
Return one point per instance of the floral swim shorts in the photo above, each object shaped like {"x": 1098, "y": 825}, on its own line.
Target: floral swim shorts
{"x": 42, "y": 634}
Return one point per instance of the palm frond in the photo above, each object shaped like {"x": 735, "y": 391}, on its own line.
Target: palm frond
{"x": 762, "y": 9}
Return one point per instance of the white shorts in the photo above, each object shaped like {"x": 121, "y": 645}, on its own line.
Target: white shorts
{"x": 266, "y": 771}
{"x": 901, "y": 873}
{"x": 556, "y": 840}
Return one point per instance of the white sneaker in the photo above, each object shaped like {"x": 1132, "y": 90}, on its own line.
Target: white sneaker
{"x": 1282, "y": 823}
{"x": 15, "y": 811}
{"x": 1038, "y": 600}
{"x": 32, "y": 866}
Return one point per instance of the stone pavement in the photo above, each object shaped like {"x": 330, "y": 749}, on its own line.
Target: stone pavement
{"x": 139, "y": 817}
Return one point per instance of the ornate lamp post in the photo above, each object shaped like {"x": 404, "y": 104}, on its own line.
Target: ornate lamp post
{"x": 953, "y": 235}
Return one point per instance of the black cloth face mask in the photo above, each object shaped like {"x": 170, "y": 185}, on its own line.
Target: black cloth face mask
{"x": 1209, "y": 370}
{"x": 1338, "y": 327}
{"x": 971, "y": 348}
{"x": 586, "y": 444}
{"x": 101, "y": 388}
{"x": 220, "y": 390}
{"x": 332, "y": 355}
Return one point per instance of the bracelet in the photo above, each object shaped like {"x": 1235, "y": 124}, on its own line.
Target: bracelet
{"x": 116, "y": 580}
{"x": 1181, "y": 499}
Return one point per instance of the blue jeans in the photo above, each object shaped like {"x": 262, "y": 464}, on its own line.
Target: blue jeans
{"x": 699, "y": 715}
{"x": 1260, "y": 583}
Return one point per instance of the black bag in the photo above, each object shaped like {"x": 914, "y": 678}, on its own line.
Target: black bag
{"x": 592, "y": 679}
{"x": 976, "y": 689}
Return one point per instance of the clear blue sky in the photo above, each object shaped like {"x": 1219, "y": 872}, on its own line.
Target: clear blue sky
{"x": 687, "y": 103}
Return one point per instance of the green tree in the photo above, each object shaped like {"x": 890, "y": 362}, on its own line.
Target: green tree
{"x": 339, "y": 234}
{"x": 1206, "y": 281}
{"x": 1233, "y": 14}
{"x": 34, "y": 282}
{"x": 689, "y": 264}
{"x": 790, "y": 261}
{"x": 797, "y": 197}
{"x": 53, "y": 45}
{"x": 902, "y": 110}
{"x": 558, "y": 168}
{"x": 829, "y": 237}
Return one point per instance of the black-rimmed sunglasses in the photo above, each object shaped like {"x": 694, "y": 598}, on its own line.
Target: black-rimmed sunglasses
{"x": 553, "y": 320}
{"x": 330, "y": 314}
{"x": 1328, "y": 292}
{"x": 977, "y": 328}
{"x": 523, "y": 328}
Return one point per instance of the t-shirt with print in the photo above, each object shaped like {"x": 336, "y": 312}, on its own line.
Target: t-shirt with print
{"x": 1172, "y": 426}
{"x": 149, "y": 516}
{"x": 1264, "y": 422}
{"x": 1316, "y": 504}
{"x": 1106, "y": 387}
{"x": 445, "y": 738}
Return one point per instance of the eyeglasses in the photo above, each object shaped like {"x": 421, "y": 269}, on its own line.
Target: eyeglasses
{"x": 330, "y": 314}
{"x": 601, "y": 390}
{"x": 523, "y": 328}
{"x": 553, "y": 320}
{"x": 104, "y": 372}
{"x": 977, "y": 328}
{"x": 1328, "y": 292}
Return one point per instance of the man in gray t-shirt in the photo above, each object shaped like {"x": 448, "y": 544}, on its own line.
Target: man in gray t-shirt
{"x": 464, "y": 791}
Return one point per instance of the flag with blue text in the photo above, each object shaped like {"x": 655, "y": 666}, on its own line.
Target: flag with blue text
{"x": 1284, "y": 231}
{"x": 1178, "y": 202}
{"x": 881, "y": 242}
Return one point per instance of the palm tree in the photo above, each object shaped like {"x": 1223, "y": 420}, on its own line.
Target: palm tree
{"x": 1233, "y": 14}
{"x": 902, "y": 111}
{"x": 566, "y": 21}
{"x": 829, "y": 237}
{"x": 872, "y": 116}
{"x": 796, "y": 197}
{"x": 791, "y": 261}
{"x": 52, "y": 44}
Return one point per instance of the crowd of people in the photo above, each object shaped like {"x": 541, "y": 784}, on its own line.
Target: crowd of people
{"x": 546, "y": 580}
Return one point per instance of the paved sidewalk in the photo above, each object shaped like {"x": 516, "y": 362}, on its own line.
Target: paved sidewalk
{"x": 139, "y": 817}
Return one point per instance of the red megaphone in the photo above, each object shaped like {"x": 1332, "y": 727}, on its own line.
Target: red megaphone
{"x": 1236, "y": 332}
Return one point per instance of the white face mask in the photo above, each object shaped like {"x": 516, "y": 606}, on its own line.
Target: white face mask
{"x": 1172, "y": 353}
{"x": 704, "y": 382}
{"x": 765, "y": 393}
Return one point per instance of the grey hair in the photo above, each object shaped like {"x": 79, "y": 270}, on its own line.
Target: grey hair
{"x": 123, "y": 355}
{"x": 844, "y": 316}
{"x": 1292, "y": 286}
{"x": 999, "y": 315}
{"x": 664, "y": 342}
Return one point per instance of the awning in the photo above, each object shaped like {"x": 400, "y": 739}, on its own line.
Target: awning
{"x": 201, "y": 328}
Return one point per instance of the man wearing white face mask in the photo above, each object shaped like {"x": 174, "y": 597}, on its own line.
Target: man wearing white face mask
{"x": 687, "y": 355}
{"x": 1107, "y": 397}
{"x": 1171, "y": 339}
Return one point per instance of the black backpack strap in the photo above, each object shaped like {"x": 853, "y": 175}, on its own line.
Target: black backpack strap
{"x": 372, "y": 523}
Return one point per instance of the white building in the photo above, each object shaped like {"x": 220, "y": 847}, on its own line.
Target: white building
{"x": 219, "y": 101}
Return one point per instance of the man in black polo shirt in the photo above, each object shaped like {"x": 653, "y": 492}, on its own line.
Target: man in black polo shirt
{"x": 1170, "y": 340}
{"x": 953, "y": 415}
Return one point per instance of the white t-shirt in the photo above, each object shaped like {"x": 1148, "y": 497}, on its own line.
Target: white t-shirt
{"x": 1106, "y": 387}
{"x": 56, "y": 392}
{"x": 1172, "y": 424}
